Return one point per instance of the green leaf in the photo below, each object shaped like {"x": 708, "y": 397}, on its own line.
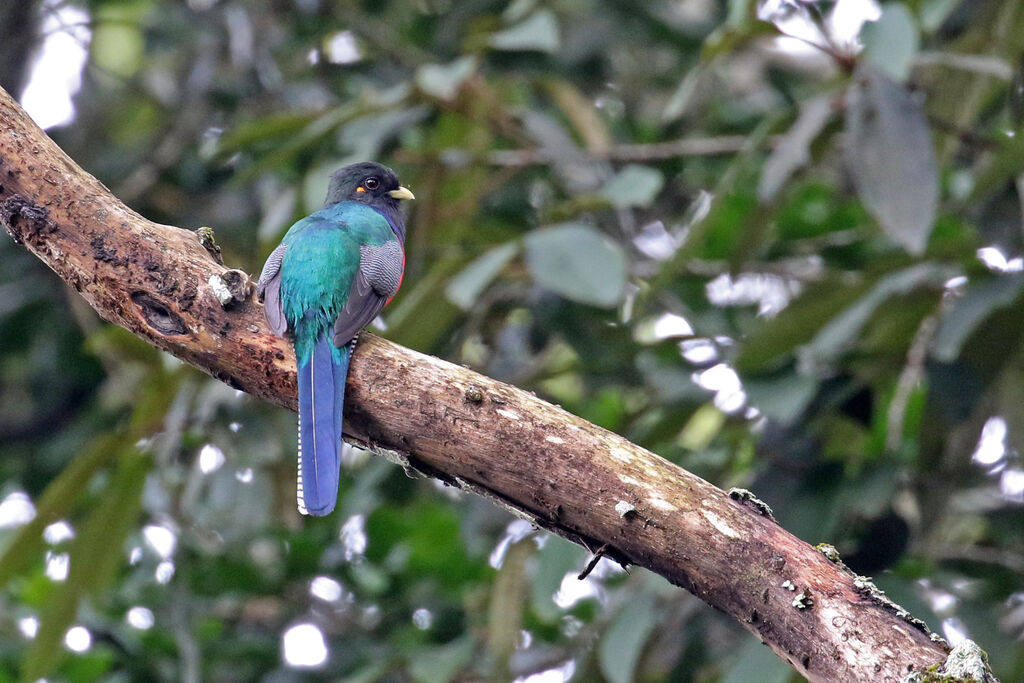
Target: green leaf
{"x": 634, "y": 185}
{"x": 977, "y": 303}
{"x": 538, "y": 32}
{"x": 755, "y": 662}
{"x": 364, "y": 136}
{"x": 1015, "y": 99}
{"x": 117, "y": 44}
{"x": 702, "y": 427}
{"x": 680, "y": 99}
{"x": 57, "y": 500}
{"x": 98, "y": 549}
{"x": 783, "y": 398}
{"x": 508, "y": 595}
{"x": 95, "y": 555}
{"x": 557, "y": 558}
{"x": 268, "y": 129}
{"x": 934, "y": 12}
{"x": 578, "y": 262}
{"x": 845, "y": 328}
{"x": 440, "y": 664}
{"x": 889, "y": 150}
{"x": 444, "y": 80}
{"x": 775, "y": 340}
{"x": 464, "y": 289}
{"x": 314, "y": 186}
{"x": 793, "y": 150}
{"x": 891, "y": 42}
{"x": 624, "y": 641}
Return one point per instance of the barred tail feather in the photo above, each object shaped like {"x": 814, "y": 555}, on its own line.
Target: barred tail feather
{"x": 321, "y": 399}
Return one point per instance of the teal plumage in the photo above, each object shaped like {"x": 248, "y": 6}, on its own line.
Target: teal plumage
{"x": 320, "y": 264}
{"x": 330, "y": 276}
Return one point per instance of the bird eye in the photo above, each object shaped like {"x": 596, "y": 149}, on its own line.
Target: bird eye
{"x": 371, "y": 183}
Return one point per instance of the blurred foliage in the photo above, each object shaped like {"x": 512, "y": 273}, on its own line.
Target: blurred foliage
{"x": 785, "y": 267}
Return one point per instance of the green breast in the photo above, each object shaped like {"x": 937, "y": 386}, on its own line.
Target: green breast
{"x": 320, "y": 265}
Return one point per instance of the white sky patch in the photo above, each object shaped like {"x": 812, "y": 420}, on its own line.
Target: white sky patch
{"x": 991, "y": 448}
{"x": 843, "y": 24}
{"x": 58, "y": 532}
{"x": 995, "y": 260}
{"x": 954, "y": 631}
{"x": 78, "y": 639}
{"x": 517, "y": 530}
{"x": 57, "y": 566}
{"x": 140, "y": 617}
{"x": 303, "y": 646}
{"x": 942, "y": 602}
{"x": 342, "y": 48}
{"x": 164, "y": 572}
{"x": 848, "y": 17}
{"x": 955, "y": 284}
{"x": 654, "y": 241}
{"x": 370, "y": 617}
{"x": 325, "y": 588}
{"x": 244, "y": 475}
{"x": 698, "y": 351}
{"x": 29, "y": 626}
{"x": 353, "y": 537}
{"x": 56, "y": 73}
{"x": 573, "y": 590}
{"x": 557, "y": 675}
{"x": 784, "y": 14}
{"x": 723, "y": 380}
{"x": 671, "y": 325}
{"x": 16, "y": 510}
{"x": 161, "y": 539}
{"x": 1011, "y": 483}
{"x": 770, "y": 292}
{"x": 210, "y": 458}
{"x": 422, "y": 618}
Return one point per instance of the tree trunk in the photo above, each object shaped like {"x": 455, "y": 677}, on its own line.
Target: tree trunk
{"x": 562, "y": 473}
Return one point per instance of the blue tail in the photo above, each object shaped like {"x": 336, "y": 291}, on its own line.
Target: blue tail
{"x": 321, "y": 398}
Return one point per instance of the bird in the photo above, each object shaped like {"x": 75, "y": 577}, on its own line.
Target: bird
{"x": 328, "y": 279}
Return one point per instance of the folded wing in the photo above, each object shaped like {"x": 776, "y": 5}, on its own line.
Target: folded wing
{"x": 377, "y": 280}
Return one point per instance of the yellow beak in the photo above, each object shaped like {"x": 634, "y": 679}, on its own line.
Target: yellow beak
{"x": 402, "y": 193}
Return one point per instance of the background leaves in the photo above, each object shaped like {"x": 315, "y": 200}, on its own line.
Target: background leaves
{"x": 790, "y": 268}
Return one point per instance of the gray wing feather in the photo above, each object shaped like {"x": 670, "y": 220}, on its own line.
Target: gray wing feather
{"x": 377, "y": 280}
{"x": 383, "y": 267}
{"x": 268, "y": 289}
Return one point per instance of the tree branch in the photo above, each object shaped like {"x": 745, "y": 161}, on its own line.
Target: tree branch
{"x": 562, "y": 473}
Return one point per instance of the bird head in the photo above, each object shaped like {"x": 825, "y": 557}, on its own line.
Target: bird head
{"x": 367, "y": 182}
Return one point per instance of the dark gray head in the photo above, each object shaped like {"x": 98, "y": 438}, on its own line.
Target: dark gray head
{"x": 370, "y": 183}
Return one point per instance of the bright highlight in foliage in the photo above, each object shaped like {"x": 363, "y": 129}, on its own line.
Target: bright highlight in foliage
{"x": 303, "y": 646}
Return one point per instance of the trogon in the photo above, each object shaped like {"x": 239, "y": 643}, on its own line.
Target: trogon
{"x": 331, "y": 275}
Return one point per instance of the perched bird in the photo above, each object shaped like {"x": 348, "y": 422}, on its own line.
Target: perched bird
{"x": 328, "y": 279}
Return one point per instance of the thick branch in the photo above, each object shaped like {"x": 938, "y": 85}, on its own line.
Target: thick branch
{"x": 563, "y": 473}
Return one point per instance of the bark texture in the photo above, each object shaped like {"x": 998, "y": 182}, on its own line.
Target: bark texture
{"x": 561, "y": 472}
